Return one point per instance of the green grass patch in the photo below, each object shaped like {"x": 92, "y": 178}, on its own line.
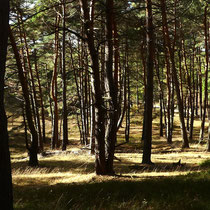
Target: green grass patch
{"x": 205, "y": 164}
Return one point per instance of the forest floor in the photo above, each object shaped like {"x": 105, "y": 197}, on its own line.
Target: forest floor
{"x": 66, "y": 180}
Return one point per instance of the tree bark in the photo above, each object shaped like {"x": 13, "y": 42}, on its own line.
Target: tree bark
{"x": 149, "y": 87}
{"x": 33, "y": 149}
{"x": 54, "y": 86}
{"x": 174, "y": 72}
{"x": 97, "y": 93}
{"x": 6, "y": 192}
{"x": 206, "y": 26}
{"x": 111, "y": 130}
{"x": 65, "y": 112}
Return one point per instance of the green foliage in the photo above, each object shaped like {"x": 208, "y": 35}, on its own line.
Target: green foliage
{"x": 205, "y": 164}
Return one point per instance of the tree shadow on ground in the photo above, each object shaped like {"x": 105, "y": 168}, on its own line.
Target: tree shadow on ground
{"x": 55, "y": 166}
{"x": 183, "y": 192}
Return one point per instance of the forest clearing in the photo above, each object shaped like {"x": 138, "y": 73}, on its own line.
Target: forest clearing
{"x": 67, "y": 180}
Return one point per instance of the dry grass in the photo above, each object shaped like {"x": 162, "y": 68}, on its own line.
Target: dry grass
{"x": 77, "y": 165}
{"x": 60, "y": 170}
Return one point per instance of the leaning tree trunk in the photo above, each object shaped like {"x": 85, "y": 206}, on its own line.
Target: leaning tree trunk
{"x": 34, "y": 96}
{"x": 6, "y": 198}
{"x": 33, "y": 149}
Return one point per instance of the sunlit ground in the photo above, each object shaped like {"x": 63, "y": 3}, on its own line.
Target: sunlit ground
{"x": 63, "y": 176}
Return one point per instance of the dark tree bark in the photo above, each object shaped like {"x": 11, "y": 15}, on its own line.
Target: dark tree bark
{"x": 206, "y": 26}
{"x": 97, "y": 92}
{"x": 149, "y": 87}
{"x": 111, "y": 130}
{"x": 54, "y": 87}
{"x": 6, "y": 198}
{"x": 65, "y": 113}
{"x": 41, "y": 98}
{"x": 33, "y": 149}
{"x": 174, "y": 72}
{"x": 161, "y": 95}
{"x": 200, "y": 88}
{"x": 34, "y": 95}
{"x": 145, "y": 82}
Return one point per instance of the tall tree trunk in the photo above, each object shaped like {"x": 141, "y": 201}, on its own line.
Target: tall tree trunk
{"x": 200, "y": 89}
{"x": 92, "y": 125}
{"x": 149, "y": 87}
{"x": 174, "y": 72}
{"x": 41, "y": 99}
{"x": 192, "y": 104}
{"x": 65, "y": 112}
{"x": 145, "y": 82}
{"x": 128, "y": 95}
{"x": 54, "y": 86}
{"x": 33, "y": 150}
{"x": 111, "y": 130}
{"x": 161, "y": 95}
{"x": 6, "y": 198}
{"x": 208, "y": 143}
{"x": 34, "y": 95}
{"x": 97, "y": 93}
{"x": 206, "y": 25}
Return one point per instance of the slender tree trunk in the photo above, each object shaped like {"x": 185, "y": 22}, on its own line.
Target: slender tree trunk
{"x": 34, "y": 96}
{"x": 54, "y": 86}
{"x": 206, "y": 25}
{"x": 127, "y": 127}
{"x": 128, "y": 95}
{"x": 6, "y": 192}
{"x": 197, "y": 89}
{"x": 97, "y": 93}
{"x": 200, "y": 89}
{"x": 192, "y": 74}
{"x": 161, "y": 95}
{"x": 145, "y": 82}
{"x": 41, "y": 99}
{"x": 65, "y": 112}
{"x": 174, "y": 72}
{"x": 25, "y": 126}
{"x": 92, "y": 125}
{"x": 208, "y": 143}
{"x": 33, "y": 150}
{"x": 169, "y": 97}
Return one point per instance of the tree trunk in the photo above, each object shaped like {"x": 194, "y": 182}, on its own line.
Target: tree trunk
{"x": 34, "y": 96}
{"x": 174, "y": 72}
{"x": 54, "y": 141}
{"x": 149, "y": 87}
{"x": 6, "y": 198}
{"x": 97, "y": 93}
{"x": 33, "y": 150}
{"x": 206, "y": 25}
{"x": 111, "y": 131}
{"x": 65, "y": 112}
{"x": 200, "y": 89}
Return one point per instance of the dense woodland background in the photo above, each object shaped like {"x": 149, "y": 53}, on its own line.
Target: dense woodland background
{"x": 112, "y": 88}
